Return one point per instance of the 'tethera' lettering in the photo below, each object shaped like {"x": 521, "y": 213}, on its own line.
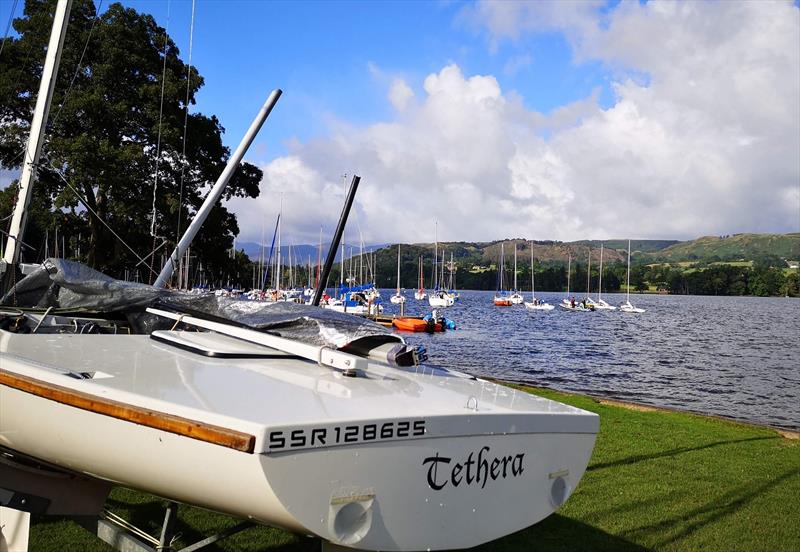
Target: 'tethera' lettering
{"x": 473, "y": 471}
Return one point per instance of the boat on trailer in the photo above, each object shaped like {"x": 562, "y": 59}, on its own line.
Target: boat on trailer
{"x": 281, "y": 413}
{"x": 356, "y": 444}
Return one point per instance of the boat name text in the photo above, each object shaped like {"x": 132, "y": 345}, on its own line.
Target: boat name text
{"x": 286, "y": 439}
{"x": 473, "y": 471}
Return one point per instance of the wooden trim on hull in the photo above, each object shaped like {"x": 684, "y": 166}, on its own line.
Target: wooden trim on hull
{"x": 193, "y": 429}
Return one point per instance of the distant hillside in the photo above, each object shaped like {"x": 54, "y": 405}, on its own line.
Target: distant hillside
{"x": 643, "y": 246}
{"x": 466, "y": 254}
{"x": 733, "y": 248}
{"x": 545, "y": 251}
{"x": 301, "y": 252}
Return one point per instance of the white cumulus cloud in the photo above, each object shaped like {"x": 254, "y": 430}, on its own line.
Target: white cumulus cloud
{"x": 703, "y": 136}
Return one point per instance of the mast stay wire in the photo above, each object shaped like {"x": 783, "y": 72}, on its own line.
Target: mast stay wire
{"x": 185, "y": 127}
{"x": 158, "y": 139}
{"x": 80, "y": 63}
{"x": 92, "y": 211}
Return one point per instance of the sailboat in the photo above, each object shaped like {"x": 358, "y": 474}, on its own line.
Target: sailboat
{"x": 569, "y": 303}
{"x": 601, "y": 304}
{"x": 501, "y": 298}
{"x": 627, "y": 306}
{"x": 237, "y": 407}
{"x": 451, "y": 284}
{"x": 420, "y": 294}
{"x": 536, "y": 304}
{"x": 438, "y": 297}
{"x": 398, "y": 297}
{"x": 515, "y": 297}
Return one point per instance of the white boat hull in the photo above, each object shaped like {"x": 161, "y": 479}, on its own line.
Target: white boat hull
{"x": 462, "y": 471}
{"x": 436, "y": 301}
{"x": 539, "y": 306}
{"x": 631, "y": 309}
{"x": 397, "y": 299}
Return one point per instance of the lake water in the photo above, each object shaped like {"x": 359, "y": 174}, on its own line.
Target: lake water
{"x": 737, "y": 357}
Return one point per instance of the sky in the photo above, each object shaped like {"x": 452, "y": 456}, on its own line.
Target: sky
{"x": 540, "y": 120}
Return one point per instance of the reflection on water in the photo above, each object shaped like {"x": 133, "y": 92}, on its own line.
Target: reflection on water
{"x": 731, "y": 356}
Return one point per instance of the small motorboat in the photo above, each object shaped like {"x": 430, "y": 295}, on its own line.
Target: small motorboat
{"x": 408, "y": 324}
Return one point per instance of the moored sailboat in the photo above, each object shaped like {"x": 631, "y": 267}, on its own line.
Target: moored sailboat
{"x": 515, "y": 296}
{"x": 501, "y": 298}
{"x": 536, "y": 304}
{"x": 438, "y": 297}
{"x": 568, "y": 303}
{"x": 601, "y": 304}
{"x": 627, "y": 306}
{"x": 420, "y": 294}
{"x": 398, "y": 297}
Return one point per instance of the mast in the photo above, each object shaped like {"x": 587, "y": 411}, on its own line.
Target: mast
{"x": 589, "y": 273}
{"x": 628, "y": 278}
{"x": 451, "y": 284}
{"x": 435, "y": 254}
{"x": 600, "y": 283}
{"x": 501, "y": 267}
{"x": 441, "y": 279}
{"x": 36, "y": 138}
{"x": 216, "y": 191}
{"x": 337, "y": 236}
{"x": 533, "y": 278}
{"x": 569, "y": 268}
{"x": 515, "y": 267}
{"x": 421, "y": 276}
{"x": 398, "y": 269}
{"x": 319, "y": 256}
{"x": 278, "y": 259}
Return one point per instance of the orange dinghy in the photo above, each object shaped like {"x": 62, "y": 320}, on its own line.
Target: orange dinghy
{"x": 414, "y": 325}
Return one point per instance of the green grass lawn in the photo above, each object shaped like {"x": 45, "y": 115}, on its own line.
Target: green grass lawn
{"x": 657, "y": 481}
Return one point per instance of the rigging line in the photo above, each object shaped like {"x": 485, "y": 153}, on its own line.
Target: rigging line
{"x": 8, "y": 26}
{"x": 92, "y": 211}
{"x": 185, "y": 120}
{"x": 160, "y": 118}
{"x": 153, "y": 252}
{"x": 80, "y": 62}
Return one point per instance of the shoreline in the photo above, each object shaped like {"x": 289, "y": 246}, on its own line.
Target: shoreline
{"x": 786, "y": 432}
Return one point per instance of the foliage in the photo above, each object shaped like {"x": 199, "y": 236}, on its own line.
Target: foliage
{"x": 104, "y": 136}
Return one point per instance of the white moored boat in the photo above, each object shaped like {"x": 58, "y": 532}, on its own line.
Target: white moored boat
{"x": 627, "y": 306}
{"x": 398, "y": 297}
{"x": 515, "y": 296}
{"x": 601, "y": 303}
{"x": 534, "y": 303}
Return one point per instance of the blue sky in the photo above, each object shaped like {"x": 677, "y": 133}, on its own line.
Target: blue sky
{"x": 543, "y": 120}
{"x": 335, "y": 57}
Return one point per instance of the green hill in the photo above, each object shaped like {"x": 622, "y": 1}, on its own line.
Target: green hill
{"x": 733, "y": 248}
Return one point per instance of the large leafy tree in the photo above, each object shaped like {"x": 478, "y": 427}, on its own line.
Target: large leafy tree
{"x": 114, "y": 137}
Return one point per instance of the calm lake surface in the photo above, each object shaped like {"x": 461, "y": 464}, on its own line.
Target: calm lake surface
{"x": 737, "y": 357}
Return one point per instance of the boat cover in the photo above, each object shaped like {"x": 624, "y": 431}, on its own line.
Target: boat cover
{"x": 64, "y": 284}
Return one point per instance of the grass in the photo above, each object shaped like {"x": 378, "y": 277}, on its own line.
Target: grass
{"x": 657, "y": 480}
